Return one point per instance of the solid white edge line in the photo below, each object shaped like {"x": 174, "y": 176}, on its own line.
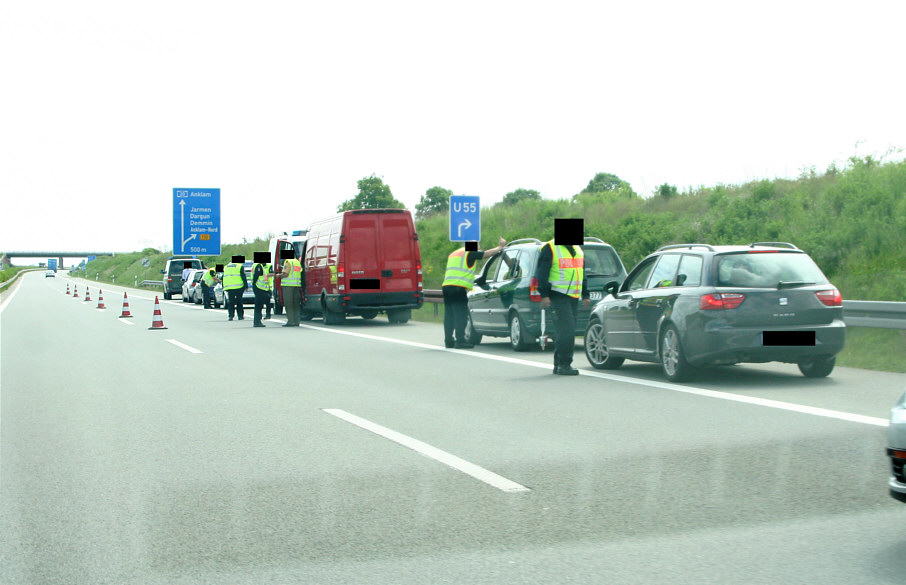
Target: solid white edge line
{"x": 764, "y": 402}
{"x": 188, "y": 348}
{"x": 476, "y": 471}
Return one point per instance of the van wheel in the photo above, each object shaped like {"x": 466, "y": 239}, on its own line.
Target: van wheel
{"x": 673, "y": 358}
{"x": 817, "y": 367}
{"x": 519, "y": 337}
{"x": 471, "y": 335}
{"x": 399, "y": 315}
{"x": 332, "y": 317}
{"x": 305, "y": 315}
{"x": 167, "y": 296}
{"x": 369, "y": 315}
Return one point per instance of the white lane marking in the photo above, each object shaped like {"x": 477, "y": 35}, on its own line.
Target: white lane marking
{"x": 765, "y": 402}
{"x": 126, "y": 321}
{"x": 188, "y": 348}
{"x": 479, "y": 473}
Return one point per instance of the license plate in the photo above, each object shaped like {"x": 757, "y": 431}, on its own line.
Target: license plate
{"x": 787, "y": 338}
{"x": 596, "y": 295}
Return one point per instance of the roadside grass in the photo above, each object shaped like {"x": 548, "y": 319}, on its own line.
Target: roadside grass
{"x": 9, "y": 273}
{"x": 866, "y": 348}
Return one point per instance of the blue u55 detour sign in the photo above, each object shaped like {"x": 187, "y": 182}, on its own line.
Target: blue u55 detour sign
{"x": 196, "y": 221}
{"x": 465, "y": 218}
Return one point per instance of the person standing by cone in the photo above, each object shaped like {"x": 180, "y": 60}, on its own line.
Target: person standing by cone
{"x": 458, "y": 280}
{"x": 261, "y": 286}
{"x": 291, "y": 283}
{"x": 561, "y": 283}
{"x": 234, "y": 283}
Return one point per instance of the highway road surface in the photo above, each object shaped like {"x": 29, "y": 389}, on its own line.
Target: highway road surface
{"x": 214, "y": 452}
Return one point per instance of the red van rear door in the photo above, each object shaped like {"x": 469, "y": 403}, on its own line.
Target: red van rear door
{"x": 360, "y": 253}
{"x": 400, "y": 253}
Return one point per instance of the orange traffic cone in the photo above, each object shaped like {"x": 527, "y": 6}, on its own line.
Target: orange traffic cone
{"x": 75, "y": 289}
{"x": 67, "y": 288}
{"x": 158, "y": 321}
{"x": 87, "y": 295}
{"x": 126, "y": 312}
{"x": 101, "y": 300}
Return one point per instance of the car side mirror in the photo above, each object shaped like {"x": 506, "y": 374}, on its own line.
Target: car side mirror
{"x": 481, "y": 281}
{"x": 612, "y": 288}
{"x": 162, "y": 271}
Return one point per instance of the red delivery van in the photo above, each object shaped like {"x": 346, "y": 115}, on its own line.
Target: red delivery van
{"x": 362, "y": 262}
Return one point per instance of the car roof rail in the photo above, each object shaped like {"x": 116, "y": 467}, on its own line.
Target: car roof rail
{"x": 524, "y": 241}
{"x": 594, "y": 239}
{"x": 775, "y": 245}
{"x": 689, "y": 246}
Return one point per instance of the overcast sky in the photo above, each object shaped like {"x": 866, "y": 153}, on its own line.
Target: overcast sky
{"x": 106, "y": 106}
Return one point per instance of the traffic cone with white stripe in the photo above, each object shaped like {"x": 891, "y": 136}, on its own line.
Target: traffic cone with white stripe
{"x": 75, "y": 289}
{"x": 126, "y": 312}
{"x": 87, "y": 295}
{"x": 158, "y": 322}
{"x": 67, "y": 288}
{"x": 101, "y": 300}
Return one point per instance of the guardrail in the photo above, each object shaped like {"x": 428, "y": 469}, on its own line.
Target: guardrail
{"x": 18, "y": 274}
{"x": 151, "y": 283}
{"x": 880, "y": 314}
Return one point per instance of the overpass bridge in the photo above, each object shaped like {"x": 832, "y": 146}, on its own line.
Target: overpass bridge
{"x": 6, "y": 257}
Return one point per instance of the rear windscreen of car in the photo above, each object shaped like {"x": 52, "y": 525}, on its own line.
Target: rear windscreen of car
{"x": 767, "y": 270}
{"x": 601, "y": 262}
{"x": 178, "y": 267}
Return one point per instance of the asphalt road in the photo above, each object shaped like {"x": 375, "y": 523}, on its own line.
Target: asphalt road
{"x": 370, "y": 454}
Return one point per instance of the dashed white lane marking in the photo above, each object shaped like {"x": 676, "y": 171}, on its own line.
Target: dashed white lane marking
{"x": 478, "y": 472}
{"x": 126, "y": 321}
{"x": 764, "y": 402}
{"x": 188, "y": 348}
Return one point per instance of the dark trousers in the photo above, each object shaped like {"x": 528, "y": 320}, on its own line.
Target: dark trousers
{"x": 565, "y": 309}
{"x": 205, "y": 296}
{"x": 292, "y": 297}
{"x": 456, "y": 313}
{"x": 234, "y": 302}
{"x": 261, "y": 300}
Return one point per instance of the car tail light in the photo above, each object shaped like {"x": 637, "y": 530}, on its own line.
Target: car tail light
{"x": 831, "y": 298}
{"x": 721, "y": 301}
{"x": 896, "y": 454}
{"x": 533, "y": 294}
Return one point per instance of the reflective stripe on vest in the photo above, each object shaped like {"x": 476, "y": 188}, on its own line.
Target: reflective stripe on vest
{"x": 232, "y": 276}
{"x": 208, "y": 278}
{"x": 295, "y": 274}
{"x": 458, "y": 272}
{"x": 263, "y": 282}
{"x": 567, "y": 271}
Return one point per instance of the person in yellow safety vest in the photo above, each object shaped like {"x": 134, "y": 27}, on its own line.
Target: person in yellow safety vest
{"x": 458, "y": 280}
{"x": 208, "y": 280}
{"x": 234, "y": 283}
{"x": 561, "y": 283}
{"x": 261, "y": 286}
{"x": 291, "y": 283}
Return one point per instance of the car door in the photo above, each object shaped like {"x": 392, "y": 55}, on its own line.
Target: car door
{"x": 479, "y": 298}
{"x": 653, "y": 299}
{"x": 620, "y": 321}
{"x": 503, "y": 291}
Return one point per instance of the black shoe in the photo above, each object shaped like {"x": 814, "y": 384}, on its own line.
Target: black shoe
{"x": 449, "y": 343}
{"x": 230, "y": 319}
{"x": 565, "y": 371}
{"x": 241, "y": 318}
{"x": 258, "y": 325}
{"x": 463, "y": 345}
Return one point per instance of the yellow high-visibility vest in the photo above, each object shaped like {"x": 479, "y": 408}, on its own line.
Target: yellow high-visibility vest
{"x": 232, "y": 276}
{"x": 567, "y": 271}
{"x": 458, "y": 272}
{"x": 295, "y": 274}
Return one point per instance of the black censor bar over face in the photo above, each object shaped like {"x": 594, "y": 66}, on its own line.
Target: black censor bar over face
{"x": 776, "y": 338}
{"x": 262, "y": 257}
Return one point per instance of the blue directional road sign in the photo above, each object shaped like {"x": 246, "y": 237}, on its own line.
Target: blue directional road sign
{"x": 465, "y": 218}
{"x": 196, "y": 221}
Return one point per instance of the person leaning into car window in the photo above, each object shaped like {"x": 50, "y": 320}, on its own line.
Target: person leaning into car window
{"x": 561, "y": 282}
{"x": 207, "y": 284}
{"x": 458, "y": 280}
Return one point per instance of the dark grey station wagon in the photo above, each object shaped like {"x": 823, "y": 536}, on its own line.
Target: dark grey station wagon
{"x": 690, "y": 305}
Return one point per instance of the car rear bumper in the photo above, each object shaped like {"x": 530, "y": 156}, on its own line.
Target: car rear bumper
{"x": 719, "y": 343}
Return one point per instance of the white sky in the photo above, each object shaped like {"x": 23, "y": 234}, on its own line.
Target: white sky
{"x": 106, "y": 106}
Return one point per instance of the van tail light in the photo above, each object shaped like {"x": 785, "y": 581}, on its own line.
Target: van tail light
{"x": 418, "y": 272}
{"x": 718, "y": 301}
{"x": 533, "y": 294}
{"x": 341, "y": 270}
{"x": 831, "y": 298}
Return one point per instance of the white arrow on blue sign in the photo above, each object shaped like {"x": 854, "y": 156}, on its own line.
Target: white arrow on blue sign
{"x": 465, "y": 218}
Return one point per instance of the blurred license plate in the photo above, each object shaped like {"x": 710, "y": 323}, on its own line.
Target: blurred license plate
{"x": 773, "y": 338}
{"x": 596, "y": 295}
